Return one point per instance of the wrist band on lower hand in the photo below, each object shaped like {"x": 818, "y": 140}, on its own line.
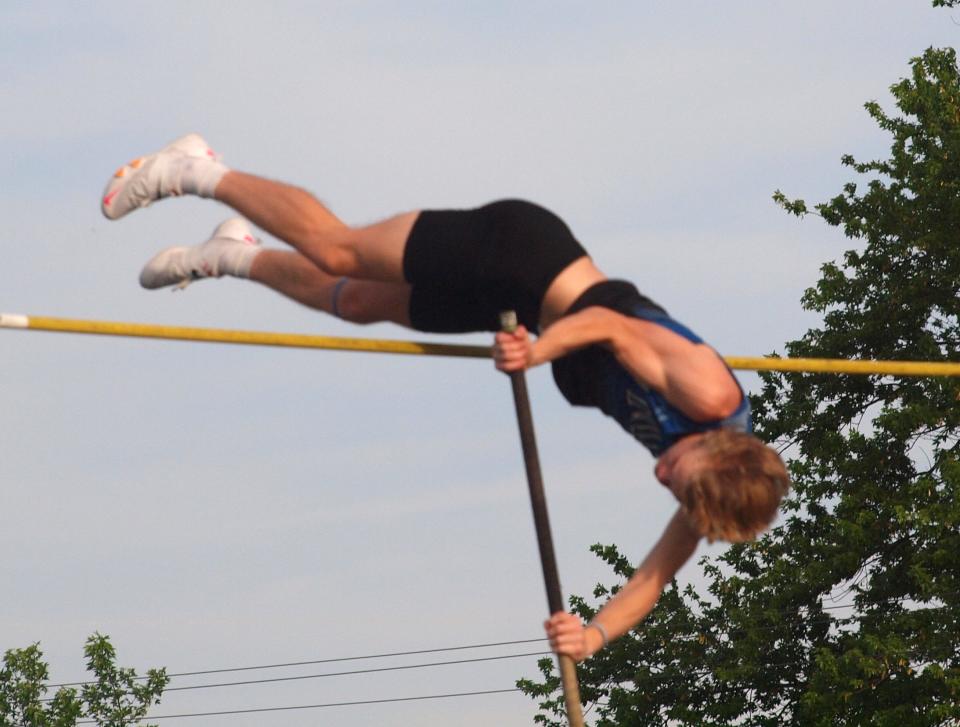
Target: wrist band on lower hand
{"x": 603, "y": 633}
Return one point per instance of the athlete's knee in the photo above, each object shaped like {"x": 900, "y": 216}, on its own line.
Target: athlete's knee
{"x": 351, "y": 303}
{"x": 331, "y": 249}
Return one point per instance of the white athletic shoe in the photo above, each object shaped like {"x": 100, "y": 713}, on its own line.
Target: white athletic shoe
{"x": 229, "y": 251}
{"x": 146, "y": 179}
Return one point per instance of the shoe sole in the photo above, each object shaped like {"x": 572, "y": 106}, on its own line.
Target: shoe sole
{"x": 188, "y": 145}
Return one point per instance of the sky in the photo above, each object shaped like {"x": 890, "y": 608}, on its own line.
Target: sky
{"x": 212, "y": 507}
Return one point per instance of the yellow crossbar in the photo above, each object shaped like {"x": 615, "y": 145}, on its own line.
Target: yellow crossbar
{"x": 844, "y": 366}
{"x": 297, "y": 340}
{"x": 251, "y": 338}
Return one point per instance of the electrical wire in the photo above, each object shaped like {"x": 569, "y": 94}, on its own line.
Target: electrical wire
{"x": 649, "y": 677}
{"x": 357, "y": 671}
{"x": 225, "y": 670}
{"x": 322, "y": 706}
{"x": 696, "y": 674}
{"x": 327, "y": 661}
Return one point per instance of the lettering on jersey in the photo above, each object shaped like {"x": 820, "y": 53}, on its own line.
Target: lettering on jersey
{"x": 642, "y": 424}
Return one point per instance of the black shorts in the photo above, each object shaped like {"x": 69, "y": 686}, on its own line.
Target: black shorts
{"x": 466, "y": 266}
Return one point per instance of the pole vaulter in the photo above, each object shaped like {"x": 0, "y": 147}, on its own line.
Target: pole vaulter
{"x": 454, "y": 271}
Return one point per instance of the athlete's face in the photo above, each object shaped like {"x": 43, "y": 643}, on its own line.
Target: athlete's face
{"x": 677, "y": 467}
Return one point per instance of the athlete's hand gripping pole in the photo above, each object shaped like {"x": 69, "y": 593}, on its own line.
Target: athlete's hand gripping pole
{"x": 568, "y": 670}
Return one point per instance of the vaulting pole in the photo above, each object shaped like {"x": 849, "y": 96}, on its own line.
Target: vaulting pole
{"x": 538, "y": 501}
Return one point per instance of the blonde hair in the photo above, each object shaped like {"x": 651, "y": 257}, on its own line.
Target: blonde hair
{"x": 734, "y": 496}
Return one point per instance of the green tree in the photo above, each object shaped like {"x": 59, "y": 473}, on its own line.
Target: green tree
{"x": 115, "y": 698}
{"x": 848, "y": 613}
{"x": 22, "y": 688}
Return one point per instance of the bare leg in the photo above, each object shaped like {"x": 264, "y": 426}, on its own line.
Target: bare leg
{"x": 358, "y": 301}
{"x": 299, "y": 219}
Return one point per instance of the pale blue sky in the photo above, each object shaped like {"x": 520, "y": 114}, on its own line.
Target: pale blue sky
{"x": 210, "y": 506}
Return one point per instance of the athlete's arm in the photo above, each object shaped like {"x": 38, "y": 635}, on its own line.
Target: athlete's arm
{"x": 516, "y": 351}
{"x": 635, "y": 600}
{"x": 691, "y": 376}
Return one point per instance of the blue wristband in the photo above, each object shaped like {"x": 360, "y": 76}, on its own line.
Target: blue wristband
{"x": 335, "y": 297}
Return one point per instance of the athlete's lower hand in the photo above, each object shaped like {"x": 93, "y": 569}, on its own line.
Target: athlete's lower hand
{"x": 568, "y": 636}
{"x": 513, "y": 351}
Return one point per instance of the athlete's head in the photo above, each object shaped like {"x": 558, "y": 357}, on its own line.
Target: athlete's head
{"x": 728, "y": 483}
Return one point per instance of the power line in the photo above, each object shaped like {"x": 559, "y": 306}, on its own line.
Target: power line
{"x": 807, "y": 619}
{"x": 357, "y": 671}
{"x": 322, "y": 706}
{"x": 698, "y": 674}
{"x": 404, "y": 667}
{"x": 326, "y": 661}
{"x": 225, "y": 670}
{"x": 656, "y": 677}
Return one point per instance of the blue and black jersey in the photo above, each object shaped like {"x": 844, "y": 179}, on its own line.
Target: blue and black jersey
{"x": 593, "y": 377}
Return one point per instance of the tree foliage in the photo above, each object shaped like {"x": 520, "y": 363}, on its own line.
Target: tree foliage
{"x": 847, "y": 613}
{"x": 115, "y": 698}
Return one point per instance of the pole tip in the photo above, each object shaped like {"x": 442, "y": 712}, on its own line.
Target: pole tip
{"x": 508, "y": 321}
